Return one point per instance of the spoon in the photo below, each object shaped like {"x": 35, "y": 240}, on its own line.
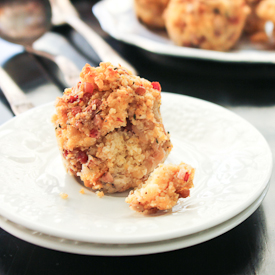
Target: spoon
{"x": 23, "y": 22}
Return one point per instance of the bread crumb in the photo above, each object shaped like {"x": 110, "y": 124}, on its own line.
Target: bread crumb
{"x": 100, "y": 194}
{"x": 82, "y": 191}
{"x": 165, "y": 186}
{"x": 64, "y": 196}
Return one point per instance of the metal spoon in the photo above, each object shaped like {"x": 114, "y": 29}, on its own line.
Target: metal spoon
{"x": 23, "y": 22}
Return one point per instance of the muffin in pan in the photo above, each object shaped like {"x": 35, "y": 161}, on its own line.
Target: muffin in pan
{"x": 109, "y": 128}
{"x": 206, "y": 24}
{"x": 162, "y": 190}
{"x": 150, "y": 12}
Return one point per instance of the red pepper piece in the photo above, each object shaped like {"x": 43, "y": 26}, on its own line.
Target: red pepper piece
{"x": 94, "y": 133}
{"x": 73, "y": 98}
{"x": 82, "y": 157}
{"x": 156, "y": 86}
{"x": 88, "y": 88}
{"x": 186, "y": 177}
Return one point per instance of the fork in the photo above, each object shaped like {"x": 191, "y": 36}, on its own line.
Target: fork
{"x": 15, "y": 96}
{"x": 64, "y": 11}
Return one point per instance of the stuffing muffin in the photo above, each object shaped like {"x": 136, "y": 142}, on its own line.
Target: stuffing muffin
{"x": 109, "y": 128}
{"x": 150, "y": 12}
{"x": 206, "y": 24}
{"x": 162, "y": 190}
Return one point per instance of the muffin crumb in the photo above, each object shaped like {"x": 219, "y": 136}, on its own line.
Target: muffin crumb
{"x": 161, "y": 191}
{"x": 64, "y": 196}
{"x": 100, "y": 194}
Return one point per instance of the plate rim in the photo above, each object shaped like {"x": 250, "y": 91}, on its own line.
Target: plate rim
{"x": 129, "y": 250}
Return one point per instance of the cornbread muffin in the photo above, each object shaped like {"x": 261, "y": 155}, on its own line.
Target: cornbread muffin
{"x": 150, "y": 12}
{"x": 206, "y": 24}
{"x": 109, "y": 128}
{"x": 162, "y": 190}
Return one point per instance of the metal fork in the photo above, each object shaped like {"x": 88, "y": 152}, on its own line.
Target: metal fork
{"x": 15, "y": 96}
{"x": 64, "y": 11}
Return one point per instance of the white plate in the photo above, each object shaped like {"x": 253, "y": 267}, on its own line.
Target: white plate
{"x": 117, "y": 18}
{"x": 126, "y": 249}
{"x": 232, "y": 159}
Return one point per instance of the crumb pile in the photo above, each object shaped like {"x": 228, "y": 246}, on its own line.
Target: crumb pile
{"x": 162, "y": 190}
{"x": 109, "y": 128}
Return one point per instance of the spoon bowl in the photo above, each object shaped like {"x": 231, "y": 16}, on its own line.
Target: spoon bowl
{"x": 23, "y": 22}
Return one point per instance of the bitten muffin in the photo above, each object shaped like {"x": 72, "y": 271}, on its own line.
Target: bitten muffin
{"x": 162, "y": 190}
{"x": 150, "y": 12}
{"x": 206, "y": 24}
{"x": 109, "y": 128}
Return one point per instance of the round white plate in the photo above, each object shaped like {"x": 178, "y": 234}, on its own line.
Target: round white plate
{"x": 126, "y": 249}
{"x": 232, "y": 159}
{"x": 117, "y": 17}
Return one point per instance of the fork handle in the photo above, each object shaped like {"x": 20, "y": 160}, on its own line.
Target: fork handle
{"x": 67, "y": 67}
{"x": 104, "y": 51}
{"x": 14, "y": 95}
